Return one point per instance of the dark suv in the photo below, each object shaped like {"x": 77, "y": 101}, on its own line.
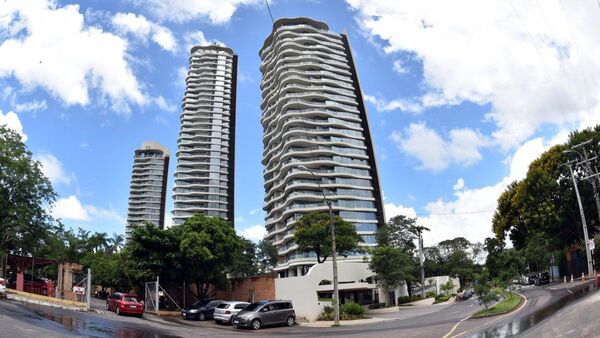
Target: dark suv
{"x": 543, "y": 278}
{"x": 267, "y": 312}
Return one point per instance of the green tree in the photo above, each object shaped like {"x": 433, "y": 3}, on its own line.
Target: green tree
{"x": 483, "y": 289}
{"x": 393, "y": 266}
{"x": 398, "y": 232}
{"x": 267, "y": 256}
{"x": 25, "y": 194}
{"x": 200, "y": 251}
{"x": 313, "y": 233}
{"x": 540, "y": 213}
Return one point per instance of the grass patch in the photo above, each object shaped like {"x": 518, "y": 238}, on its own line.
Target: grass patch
{"x": 441, "y": 299}
{"x": 508, "y": 304}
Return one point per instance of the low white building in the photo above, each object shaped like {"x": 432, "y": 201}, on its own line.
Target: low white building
{"x": 311, "y": 292}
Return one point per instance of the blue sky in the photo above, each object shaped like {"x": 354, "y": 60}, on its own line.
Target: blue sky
{"x": 460, "y": 97}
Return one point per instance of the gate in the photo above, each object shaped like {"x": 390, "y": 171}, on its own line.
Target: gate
{"x": 156, "y": 298}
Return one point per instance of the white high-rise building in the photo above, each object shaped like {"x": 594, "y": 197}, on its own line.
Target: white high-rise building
{"x": 204, "y": 181}
{"x": 148, "y": 186}
{"x": 314, "y": 115}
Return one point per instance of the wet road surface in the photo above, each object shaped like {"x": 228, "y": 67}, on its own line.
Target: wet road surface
{"x": 25, "y": 320}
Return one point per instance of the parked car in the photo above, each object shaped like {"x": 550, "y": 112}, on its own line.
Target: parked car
{"x": 201, "y": 310}
{"x": 542, "y": 279}
{"x": 2, "y": 288}
{"x": 124, "y": 303}
{"x": 532, "y": 279}
{"x": 274, "y": 312}
{"x": 225, "y": 312}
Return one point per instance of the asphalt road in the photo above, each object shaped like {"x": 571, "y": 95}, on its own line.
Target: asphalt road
{"x": 24, "y": 320}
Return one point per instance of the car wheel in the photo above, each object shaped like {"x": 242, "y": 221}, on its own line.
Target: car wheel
{"x": 290, "y": 321}
{"x": 107, "y": 306}
{"x": 256, "y": 324}
{"x": 202, "y": 316}
{"x": 118, "y": 311}
{"x": 140, "y": 315}
{"x": 231, "y": 320}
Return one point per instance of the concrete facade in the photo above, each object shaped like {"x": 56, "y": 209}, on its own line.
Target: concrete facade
{"x": 313, "y": 114}
{"x": 204, "y": 177}
{"x": 148, "y": 189}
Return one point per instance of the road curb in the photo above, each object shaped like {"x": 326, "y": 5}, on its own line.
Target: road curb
{"x": 23, "y": 299}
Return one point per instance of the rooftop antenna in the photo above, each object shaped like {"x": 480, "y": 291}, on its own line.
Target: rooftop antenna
{"x": 269, "y": 8}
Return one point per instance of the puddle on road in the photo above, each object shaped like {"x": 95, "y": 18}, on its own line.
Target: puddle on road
{"x": 91, "y": 326}
{"x": 522, "y": 324}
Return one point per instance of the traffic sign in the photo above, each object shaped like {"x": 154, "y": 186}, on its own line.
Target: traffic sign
{"x": 78, "y": 290}
{"x": 591, "y": 244}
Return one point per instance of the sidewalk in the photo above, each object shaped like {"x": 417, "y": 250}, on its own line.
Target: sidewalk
{"x": 329, "y": 323}
{"x": 33, "y": 298}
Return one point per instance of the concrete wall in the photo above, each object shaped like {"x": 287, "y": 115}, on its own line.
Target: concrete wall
{"x": 302, "y": 290}
{"x": 263, "y": 286}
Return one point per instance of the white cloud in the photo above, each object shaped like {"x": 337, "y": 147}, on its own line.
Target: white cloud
{"x": 433, "y": 152}
{"x": 255, "y": 211}
{"x": 217, "y": 11}
{"x": 142, "y": 28}
{"x": 399, "y": 67}
{"x": 34, "y": 105}
{"x": 533, "y": 63}
{"x": 460, "y": 183}
{"x": 392, "y": 210}
{"x": 198, "y": 38}
{"x": 51, "y": 47}
{"x": 164, "y": 105}
{"x": 53, "y": 169}
{"x": 240, "y": 219}
{"x": 470, "y": 213}
{"x": 401, "y": 104}
{"x": 70, "y": 208}
{"x": 11, "y": 120}
{"x": 254, "y": 233}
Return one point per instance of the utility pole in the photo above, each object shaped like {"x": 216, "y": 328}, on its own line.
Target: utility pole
{"x": 336, "y": 293}
{"x": 589, "y": 173}
{"x": 583, "y": 222}
{"x": 422, "y": 262}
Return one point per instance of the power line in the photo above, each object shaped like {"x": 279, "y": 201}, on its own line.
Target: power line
{"x": 457, "y": 213}
{"x": 269, "y": 8}
{"x": 539, "y": 53}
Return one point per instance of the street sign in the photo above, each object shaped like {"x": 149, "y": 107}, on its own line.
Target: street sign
{"x": 591, "y": 244}
{"x": 78, "y": 290}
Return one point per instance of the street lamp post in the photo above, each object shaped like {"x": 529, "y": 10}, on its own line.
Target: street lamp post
{"x": 336, "y": 301}
{"x": 583, "y": 222}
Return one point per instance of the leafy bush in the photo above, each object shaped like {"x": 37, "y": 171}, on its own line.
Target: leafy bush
{"x": 441, "y": 298}
{"x": 430, "y": 294}
{"x": 352, "y": 309}
{"x": 348, "y": 311}
{"x": 409, "y": 299}
{"x": 327, "y": 313}
{"x": 378, "y": 306}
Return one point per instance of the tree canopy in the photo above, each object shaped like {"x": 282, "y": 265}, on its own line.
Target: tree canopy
{"x": 25, "y": 194}
{"x": 313, "y": 234}
{"x": 539, "y": 213}
{"x": 200, "y": 252}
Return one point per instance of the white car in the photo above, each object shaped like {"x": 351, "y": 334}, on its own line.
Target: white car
{"x": 225, "y": 312}
{"x": 2, "y": 287}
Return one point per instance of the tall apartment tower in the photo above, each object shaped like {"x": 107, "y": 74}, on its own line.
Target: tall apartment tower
{"x": 148, "y": 186}
{"x": 313, "y": 114}
{"x": 204, "y": 179}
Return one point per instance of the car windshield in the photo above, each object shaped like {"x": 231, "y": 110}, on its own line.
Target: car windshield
{"x": 130, "y": 299}
{"x": 254, "y": 306}
{"x": 200, "y": 304}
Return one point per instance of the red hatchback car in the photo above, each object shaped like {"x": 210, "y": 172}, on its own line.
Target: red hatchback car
{"x": 123, "y": 303}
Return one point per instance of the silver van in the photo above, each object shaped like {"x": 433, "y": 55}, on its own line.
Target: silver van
{"x": 267, "y": 312}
